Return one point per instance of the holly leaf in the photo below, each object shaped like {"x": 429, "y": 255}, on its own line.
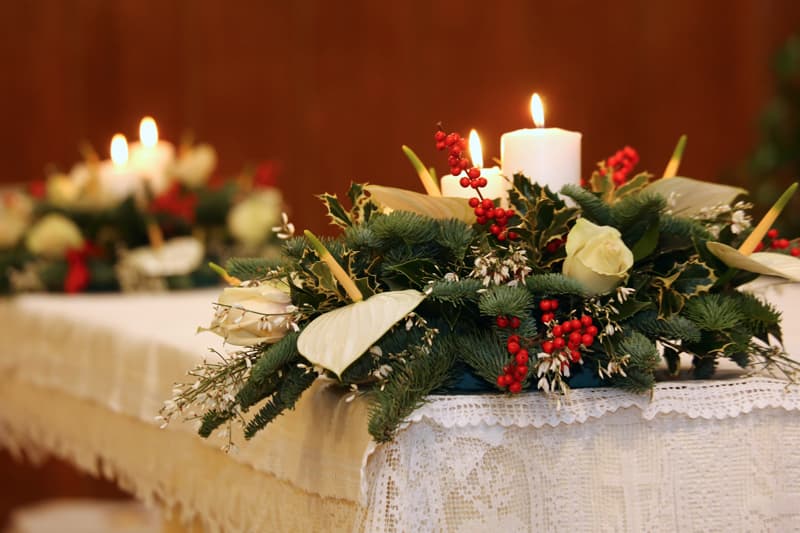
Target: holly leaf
{"x": 635, "y": 184}
{"x": 336, "y": 339}
{"x": 336, "y": 212}
{"x": 436, "y": 207}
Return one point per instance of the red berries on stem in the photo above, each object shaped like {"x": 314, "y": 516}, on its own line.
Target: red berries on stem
{"x": 485, "y": 212}
{"x": 775, "y": 242}
{"x": 516, "y": 371}
{"x": 567, "y": 336}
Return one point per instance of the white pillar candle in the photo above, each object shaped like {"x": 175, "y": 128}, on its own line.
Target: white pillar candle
{"x": 547, "y": 156}
{"x": 117, "y": 179}
{"x": 152, "y": 157}
{"x": 496, "y": 185}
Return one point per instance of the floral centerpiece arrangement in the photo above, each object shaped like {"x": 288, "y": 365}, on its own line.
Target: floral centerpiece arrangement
{"x": 149, "y": 219}
{"x": 592, "y": 285}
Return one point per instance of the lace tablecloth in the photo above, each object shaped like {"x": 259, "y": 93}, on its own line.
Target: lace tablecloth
{"x": 84, "y": 377}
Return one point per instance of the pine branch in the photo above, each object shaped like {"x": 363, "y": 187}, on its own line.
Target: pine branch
{"x": 483, "y": 352}
{"x": 295, "y": 381}
{"x": 455, "y": 292}
{"x": 554, "y": 284}
{"x": 406, "y": 389}
{"x": 250, "y": 267}
{"x": 212, "y": 420}
{"x": 636, "y": 207}
{"x": 263, "y": 379}
{"x": 672, "y": 327}
{"x": 455, "y": 236}
{"x": 505, "y": 300}
{"x": 686, "y": 228}
{"x": 593, "y": 208}
{"x": 641, "y": 365}
{"x": 713, "y": 312}
{"x": 403, "y": 227}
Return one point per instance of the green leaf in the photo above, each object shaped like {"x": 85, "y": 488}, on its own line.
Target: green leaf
{"x": 337, "y": 338}
{"x": 336, "y": 212}
{"x": 767, "y": 263}
{"x": 647, "y": 244}
{"x": 396, "y": 199}
{"x": 688, "y": 197}
{"x": 633, "y": 185}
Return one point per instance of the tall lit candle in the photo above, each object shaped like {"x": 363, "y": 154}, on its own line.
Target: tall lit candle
{"x": 496, "y": 185}
{"x": 150, "y": 156}
{"x": 547, "y": 156}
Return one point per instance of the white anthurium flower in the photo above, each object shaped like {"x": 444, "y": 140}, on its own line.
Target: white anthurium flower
{"x": 688, "y": 197}
{"x": 338, "y": 338}
{"x": 439, "y": 207}
{"x": 253, "y": 315}
{"x": 52, "y": 236}
{"x": 175, "y": 257}
{"x": 251, "y": 220}
{"x": 596, "y": 257}
{"x": 767, "y": 263}
{"x": 194, "y": 167}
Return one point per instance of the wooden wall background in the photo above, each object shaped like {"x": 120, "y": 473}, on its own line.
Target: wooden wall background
{"x": 332, "y": 89}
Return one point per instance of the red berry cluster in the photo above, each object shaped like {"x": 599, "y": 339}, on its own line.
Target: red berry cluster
{"x": 553, "y": 246}
{"x": 456, "y": 158}
{"x": 485, "y": 210}
{"x": 620, "y": 165}
{"x": 568, "y": 335}
{"x": 773, "y": 241}
{"x": 516, "y": 371}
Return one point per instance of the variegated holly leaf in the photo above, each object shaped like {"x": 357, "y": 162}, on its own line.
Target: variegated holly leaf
{"x": 338, "y": 338}
{"x": 686, "y": 197}
{"x": 767, "y": 263}
{"x": 422, "y": 204}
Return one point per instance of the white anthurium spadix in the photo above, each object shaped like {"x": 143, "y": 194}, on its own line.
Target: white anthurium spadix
{"x": 766, "y": 263}
{"x": 687, "y": 197}
{"x": 338, "y": 338}
{"x": 439, "y": 207}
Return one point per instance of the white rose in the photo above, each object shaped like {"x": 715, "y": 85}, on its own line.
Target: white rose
{"x": 251, "y": 221}
{"x": 252, "y": 315}
{"x": 194, "y": 167}
{"x": 62, "y": 190}
{"x": 52, "y": 236}
{"x": 596, "y": 256}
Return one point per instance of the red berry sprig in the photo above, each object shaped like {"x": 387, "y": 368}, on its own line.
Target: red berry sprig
{"x": 567, "y": 336}
{"x": 620, "y": 165}
{"x": 485, "y": 211}
{"x": 516, "y": 371}
{"x": 775, "y": 242}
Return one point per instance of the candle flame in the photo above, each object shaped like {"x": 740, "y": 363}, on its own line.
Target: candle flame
{"x": 148, "y": 132}
{"x": 119, "y": 149}
{"x": 475, "y": 151}
{"x": 537, "y": 110}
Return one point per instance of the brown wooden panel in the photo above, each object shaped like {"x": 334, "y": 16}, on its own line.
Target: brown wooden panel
{"x": 333, "y": 89}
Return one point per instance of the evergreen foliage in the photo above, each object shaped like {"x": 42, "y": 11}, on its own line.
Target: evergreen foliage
{"x": 294, "y": 382}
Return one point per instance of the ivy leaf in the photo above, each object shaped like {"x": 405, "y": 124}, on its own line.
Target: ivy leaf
{"x": 687, "y": 196}
{"x": 767, "y": 263}
{"x": 338, "y": 338}
{"x": 431, "y": 206}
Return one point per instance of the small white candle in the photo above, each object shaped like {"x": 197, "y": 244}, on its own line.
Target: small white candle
{"x": 496, "y": 185}
{"x": 152, "y": 157}
{"x": 547, "y": 156}
{"x": 117, "y": 178}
